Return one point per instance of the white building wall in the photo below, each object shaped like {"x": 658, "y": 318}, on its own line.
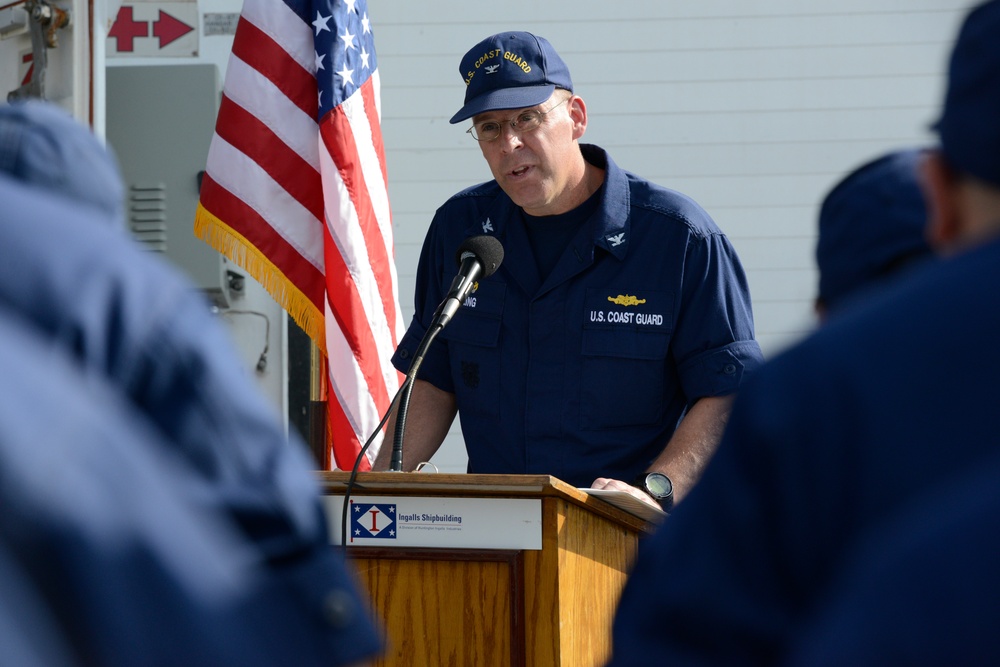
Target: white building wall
{"x": 755, "y": 108}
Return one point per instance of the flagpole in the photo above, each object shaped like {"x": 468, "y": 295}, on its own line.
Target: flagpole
{"x": 318, "y": 422}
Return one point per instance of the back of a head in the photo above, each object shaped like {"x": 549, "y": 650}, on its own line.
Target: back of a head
{"x": 45, "y": 147}
{"x": 872, "y": 225}
{"x": 969, "y": 127}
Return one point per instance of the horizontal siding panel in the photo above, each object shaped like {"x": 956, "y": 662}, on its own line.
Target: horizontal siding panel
{"x": 670, "y": 63}
{"x": 740, "y": 160}
{"x": 429, "y": 136}
{"x": 782, "y": 284}
{"x": 666, "y": 165}
{"x": 789, "y": 253}
{"x": 772, "y": 316}
{"x": 662, "y": 32}
{"x": 765, "y": 222}
{"x": 730, "y": 106}
{"x": 409, "y": 231}
{"x": 761, "y": 95}
{"x": 754, "y": 192}
{"x": 773, "y": 343}
{"x": 889, "y": 91}
{"x": 768, "y": 63}
{"x": 463, "y": 15}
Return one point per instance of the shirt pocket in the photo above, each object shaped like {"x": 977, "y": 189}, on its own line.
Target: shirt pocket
{"x": 624, "y": 358}
{"x": 473, "y": 338}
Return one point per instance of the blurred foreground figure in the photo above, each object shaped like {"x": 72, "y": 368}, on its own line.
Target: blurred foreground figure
{"x": 112, "y": 558}
{"x": 890, "y": 404}
{"x": 88, "y": 291}
{"x": 926, "y": 591}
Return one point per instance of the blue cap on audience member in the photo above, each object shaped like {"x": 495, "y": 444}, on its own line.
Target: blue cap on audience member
{"x": 969, "y": 127}
{"x": 44, "y": 146}
{"x": 871, "y": 224}
{"x": 510, "y": 70}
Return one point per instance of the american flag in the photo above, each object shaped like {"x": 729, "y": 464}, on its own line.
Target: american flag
{"x": 295, "y": 191}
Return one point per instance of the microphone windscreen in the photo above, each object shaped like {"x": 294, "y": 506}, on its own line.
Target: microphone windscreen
{"x": 487, "y": 249}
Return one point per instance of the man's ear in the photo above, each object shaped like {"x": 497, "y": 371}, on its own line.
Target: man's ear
{"x": 578, "y": 113}
{"x": 819, "y": 309}
{"x": 940, "y": 185}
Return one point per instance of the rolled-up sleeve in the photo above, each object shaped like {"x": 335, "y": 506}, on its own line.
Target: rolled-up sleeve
{"x": 714, "y": 344}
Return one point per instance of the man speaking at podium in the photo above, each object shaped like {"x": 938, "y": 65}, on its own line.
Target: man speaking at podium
{"x": 608, "y": 343}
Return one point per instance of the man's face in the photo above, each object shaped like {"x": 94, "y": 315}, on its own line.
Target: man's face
{"x": 538, "y": 168}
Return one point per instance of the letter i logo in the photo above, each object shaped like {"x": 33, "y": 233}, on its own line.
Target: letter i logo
{"x": 371, "y": 520}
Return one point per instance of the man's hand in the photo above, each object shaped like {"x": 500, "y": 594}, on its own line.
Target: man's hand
{"x": 618, "y": 485}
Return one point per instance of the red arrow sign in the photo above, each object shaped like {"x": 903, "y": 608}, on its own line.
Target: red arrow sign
{"x": 126, "y": 29}
{"x": 167, "y": 28}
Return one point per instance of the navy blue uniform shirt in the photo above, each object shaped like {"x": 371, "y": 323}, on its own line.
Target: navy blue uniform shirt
{"x": 117, "y": 558}
{"x": 923, "y": 591}
{"x": 586, "y": 373}
{"x": 880, "y": 407}
{"x": 128, "y": 317}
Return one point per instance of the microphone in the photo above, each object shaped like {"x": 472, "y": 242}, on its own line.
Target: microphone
{"x": 477, "y": 257}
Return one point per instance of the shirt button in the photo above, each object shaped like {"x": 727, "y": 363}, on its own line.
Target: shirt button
{"x": 404, "y": 354}
{"x": 729, "y": 369}
{"x": 338, "y": 609}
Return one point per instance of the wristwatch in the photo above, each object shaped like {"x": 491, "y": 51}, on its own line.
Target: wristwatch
{"x": 658, "y": 487}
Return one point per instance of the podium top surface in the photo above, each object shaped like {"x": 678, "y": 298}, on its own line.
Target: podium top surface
{"x": 484, "y": 486}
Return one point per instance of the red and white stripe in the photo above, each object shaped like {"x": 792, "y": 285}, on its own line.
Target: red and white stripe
{"x": 310, "y": 200}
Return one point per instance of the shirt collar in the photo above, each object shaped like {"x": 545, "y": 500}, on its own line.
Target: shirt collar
{"x": 610, "y": 223}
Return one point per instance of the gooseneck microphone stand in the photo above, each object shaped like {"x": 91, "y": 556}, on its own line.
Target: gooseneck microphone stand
{"x": 396, "y": 462}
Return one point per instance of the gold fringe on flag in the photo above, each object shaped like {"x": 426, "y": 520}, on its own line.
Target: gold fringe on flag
{"x": 237, "y": 248}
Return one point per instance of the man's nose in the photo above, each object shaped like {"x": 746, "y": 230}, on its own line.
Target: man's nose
{"x": 510, "y": 137}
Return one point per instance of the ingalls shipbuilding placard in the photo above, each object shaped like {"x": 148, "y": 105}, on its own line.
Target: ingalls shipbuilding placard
{"x": 467, "y": 523}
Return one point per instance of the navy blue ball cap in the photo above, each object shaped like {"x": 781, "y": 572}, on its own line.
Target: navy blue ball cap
{"x": 871, "y": 224}
{"x": 969, "y": 127}
{"x": 44, "y": 146}
{"x": 510, "y": 70}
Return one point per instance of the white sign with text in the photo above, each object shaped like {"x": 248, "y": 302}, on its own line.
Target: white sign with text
{"x": 451, "y": 523}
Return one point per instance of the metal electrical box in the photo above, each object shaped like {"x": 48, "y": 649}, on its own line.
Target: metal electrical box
{"x": 160, "y": 121}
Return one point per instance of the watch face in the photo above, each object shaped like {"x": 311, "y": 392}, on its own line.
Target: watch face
{"x": 658, "y": 485}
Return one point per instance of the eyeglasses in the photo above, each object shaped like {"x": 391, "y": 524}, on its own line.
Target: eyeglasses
{"x": 526, "y": 121}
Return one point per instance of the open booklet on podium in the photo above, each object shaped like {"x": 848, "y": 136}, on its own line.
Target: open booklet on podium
{"x": 629, "y": 503}
{"x": 488, "y": 569}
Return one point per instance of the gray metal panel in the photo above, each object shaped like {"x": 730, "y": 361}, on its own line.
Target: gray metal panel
{"x": 160, "y": 121}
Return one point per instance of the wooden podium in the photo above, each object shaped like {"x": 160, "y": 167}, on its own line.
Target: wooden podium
{"x": 545, "y": 604}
